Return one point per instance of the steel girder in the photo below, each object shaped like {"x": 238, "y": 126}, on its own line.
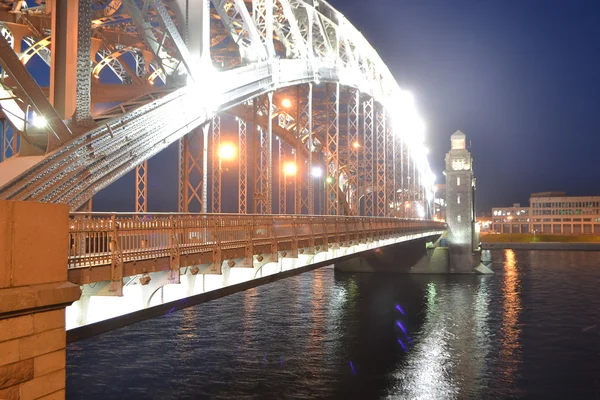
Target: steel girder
{"x": 192, "y": 172}
{"x": 354, "y": 145}
{"x": 243, "y": 166}
{"x": 332, "y": 93}
{"x": 215, "y": 146}
{"x": 336, "y": 53}
{"x": 282, "y": 181}
{"x": 369, "y": 144}
{"x": 263, "y": 184}
{"x": 380, "y": 163}
{"x": 141, "y": 187}
{"x": 56, "y": 132}
{"x": 390, "y": 170}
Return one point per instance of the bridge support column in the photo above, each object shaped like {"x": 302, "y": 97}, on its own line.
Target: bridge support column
{"x": 34, "y": 292}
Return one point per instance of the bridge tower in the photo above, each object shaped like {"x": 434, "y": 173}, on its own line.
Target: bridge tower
{"x": 463, "y": 237}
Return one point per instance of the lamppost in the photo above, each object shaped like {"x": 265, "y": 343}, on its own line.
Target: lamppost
{"x": 227, "y": 152}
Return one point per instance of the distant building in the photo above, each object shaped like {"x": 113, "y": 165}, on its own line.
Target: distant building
{"x": 550, "y": 213}
{"x": 513, "y": 219}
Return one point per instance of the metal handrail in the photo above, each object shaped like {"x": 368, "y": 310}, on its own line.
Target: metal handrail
{"x": 94, "y": 237}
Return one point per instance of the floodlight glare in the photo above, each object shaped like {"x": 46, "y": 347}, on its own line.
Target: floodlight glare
{"x": 316, "y": 172}
{"x": 290, "y": 168}
{"x": 38, "y": 121}
{"x": 227, "y": 151}
{"x": 286, "y": 103}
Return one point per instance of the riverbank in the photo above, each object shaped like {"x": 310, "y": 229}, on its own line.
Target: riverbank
{"x": 541, "y": 242}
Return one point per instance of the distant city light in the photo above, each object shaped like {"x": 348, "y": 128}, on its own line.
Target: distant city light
{"x": 290, "y": 168}
{"x": 356, "y": 145}
{"x": 227, "y": 151}
{"x": 38, "y": 121}
{"x": 316, "y": 172}
{"x": 286, "y": 103}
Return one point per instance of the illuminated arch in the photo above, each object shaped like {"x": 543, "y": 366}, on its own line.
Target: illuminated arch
{"x": 34, "y": 49}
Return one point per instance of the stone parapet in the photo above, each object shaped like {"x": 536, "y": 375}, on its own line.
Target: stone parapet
{"x": 34, "y": 292}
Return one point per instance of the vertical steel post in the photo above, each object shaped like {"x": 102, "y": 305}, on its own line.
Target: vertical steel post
{"x": 298, "y": 181}
{"x": 183, "y": 174}
{"x": 141, "y": 187}
{"x": 191, "y": 172}
{"x": 269, "y": 198}
{"x": 353, "y": 149}
{"x": 390, "y": 167}
{"x": 282, "y": 180}
{"x": 63, "y": 65}
{"x": 3, "y": 140}
{"x": 243, "y": 167}
{"x": 216, "y": 164}
{"x": 368, "y": 156}
{"x": 332, "y": 147}
{"x": 380, "y": 163}
{"x": 310, "y": 177}
{"x": 204, "y": 205}
{"x": 263, "y": 186}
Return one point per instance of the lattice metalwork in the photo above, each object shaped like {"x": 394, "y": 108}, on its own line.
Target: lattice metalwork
{"x": 353, "y": 152}
{"x": 304, "y": 181}
{"x": 390, "y": 171}
{"x": 368, "y": 140}
{"x": 192, "y": 172}
{"x": 282, "y": 178}
{"x": 332, "y": 93}
{"x": 10, "y": 141}
{"x": 268, "y": 43}
{"x": 157, "y": 28}
{"x": 241, "y": 28}
{"x": 243, "y": 166}
{"x": 398, "y": 176}
{"x": 216, "y": 163}
{"x": 262, "y": 11}
{"x": 141, "y": 187}
{"x": 264, "y": 162}
{"x": 380, "y": 163}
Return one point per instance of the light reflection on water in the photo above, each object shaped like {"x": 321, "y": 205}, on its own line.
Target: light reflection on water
{"x": 511, "y": 331}
{"x": 527, "y": 331}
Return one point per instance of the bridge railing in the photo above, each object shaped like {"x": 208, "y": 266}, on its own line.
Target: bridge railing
{"x": 96, "y": 238}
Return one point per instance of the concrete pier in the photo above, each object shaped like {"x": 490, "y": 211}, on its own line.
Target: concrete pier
{"x": 33, "y": 295}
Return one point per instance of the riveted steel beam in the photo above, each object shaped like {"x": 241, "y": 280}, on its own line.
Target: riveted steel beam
{"x": 216, "y": 163}
{"x": 141, "y": 187}
{"x": 369, "y": 144}
{"x": 243, "y": 166}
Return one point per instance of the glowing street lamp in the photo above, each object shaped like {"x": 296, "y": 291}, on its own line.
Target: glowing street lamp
{"x": 38, "y": 121}
{"x": 290, "y": 169}
{"x": 227, "y": 151}
{"x": 286, "y": 103}
{"x": 316, "y": 172}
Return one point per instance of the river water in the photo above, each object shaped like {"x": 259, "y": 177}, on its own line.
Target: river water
{"x": 530, "y": 331}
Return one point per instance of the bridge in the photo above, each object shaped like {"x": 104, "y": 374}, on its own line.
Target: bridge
{"x": 329, "y": 150}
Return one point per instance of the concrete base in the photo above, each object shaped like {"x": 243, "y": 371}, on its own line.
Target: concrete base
{"x": 397, "y": 258}
{"x": 435, "y": 261}
{"x": 484, "y": 270}
{"x": 33, "y": 295}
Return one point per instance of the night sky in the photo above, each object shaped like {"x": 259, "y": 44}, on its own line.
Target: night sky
{"x": 520, "y": 78}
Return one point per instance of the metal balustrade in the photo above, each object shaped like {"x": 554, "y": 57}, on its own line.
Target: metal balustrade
{"x": 95, "y": 238}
